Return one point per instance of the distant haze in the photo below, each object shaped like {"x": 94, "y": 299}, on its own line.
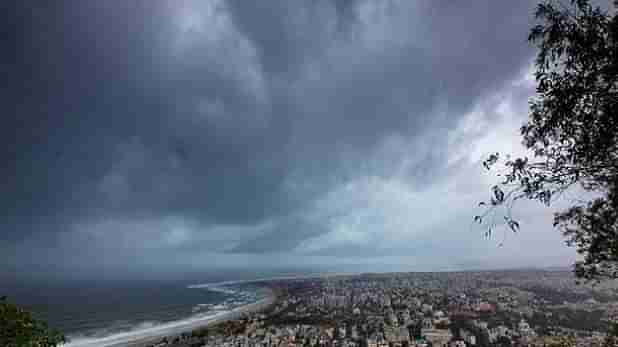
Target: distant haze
{"x": 156, "y": 138}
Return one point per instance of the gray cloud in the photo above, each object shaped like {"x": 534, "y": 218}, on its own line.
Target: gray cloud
{"x": 316, "y": 129}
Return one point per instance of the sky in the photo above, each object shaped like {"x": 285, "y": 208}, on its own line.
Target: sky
{"x": 161, "y": 137}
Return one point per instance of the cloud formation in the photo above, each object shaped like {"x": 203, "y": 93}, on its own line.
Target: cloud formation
{"x": 344, "y": 133}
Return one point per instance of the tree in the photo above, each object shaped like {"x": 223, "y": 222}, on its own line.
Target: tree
{"x": 19, "y": 329}
{"x": 571, "y": 133}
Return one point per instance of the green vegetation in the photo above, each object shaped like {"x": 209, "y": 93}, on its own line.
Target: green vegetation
{"x": 572, "y": 133}
{"x": 570, "y": 318}
{"x": 19, "y": 329}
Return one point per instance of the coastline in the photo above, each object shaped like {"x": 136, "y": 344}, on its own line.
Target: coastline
{"x": 153, "y": 335}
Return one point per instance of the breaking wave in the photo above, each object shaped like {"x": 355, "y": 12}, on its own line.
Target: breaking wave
{"x": 121, "y": 333}
{"x": 143, "y": 330}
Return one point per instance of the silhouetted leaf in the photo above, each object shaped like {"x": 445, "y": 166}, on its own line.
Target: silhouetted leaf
{"x": 514, "y": 226}
{"x": 571, "y": 130}
{"x": 498, "y": 194}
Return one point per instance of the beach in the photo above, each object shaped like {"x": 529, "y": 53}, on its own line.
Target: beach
{"x": 154, "y": 334}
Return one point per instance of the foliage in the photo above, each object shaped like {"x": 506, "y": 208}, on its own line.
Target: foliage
{"x": 577, "y": 319}
{"x": 571, "y": 133}
{"x": 19, "y": 329}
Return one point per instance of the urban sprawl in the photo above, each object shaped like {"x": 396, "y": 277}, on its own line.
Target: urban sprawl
{"x": 497, "y": 308}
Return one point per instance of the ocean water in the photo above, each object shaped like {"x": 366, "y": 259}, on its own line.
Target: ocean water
{"x": 97, "y": 310}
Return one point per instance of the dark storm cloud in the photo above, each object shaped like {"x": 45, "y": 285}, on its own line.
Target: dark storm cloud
{"x": 282, "y": 236}
{"x": 238, "y": 114}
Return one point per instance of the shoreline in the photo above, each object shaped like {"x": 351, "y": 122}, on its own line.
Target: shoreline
{"x": 171, "y": 330}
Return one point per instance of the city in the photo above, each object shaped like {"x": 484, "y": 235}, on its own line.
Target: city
{"x": 497, "y": 308}
{"x": 309, "y": 173}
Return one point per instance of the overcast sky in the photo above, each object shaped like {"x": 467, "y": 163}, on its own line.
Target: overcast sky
{"x": 167, "y": 136}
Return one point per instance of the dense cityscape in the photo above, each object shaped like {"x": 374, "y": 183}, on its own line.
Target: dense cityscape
{"x": 163, "y": 160}
{"x": 505, "y": 308}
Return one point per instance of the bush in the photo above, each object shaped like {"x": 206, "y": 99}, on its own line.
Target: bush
{"x": 19, "y": 329}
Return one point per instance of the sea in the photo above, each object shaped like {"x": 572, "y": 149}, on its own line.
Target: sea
{"x": 91, "y": 311}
